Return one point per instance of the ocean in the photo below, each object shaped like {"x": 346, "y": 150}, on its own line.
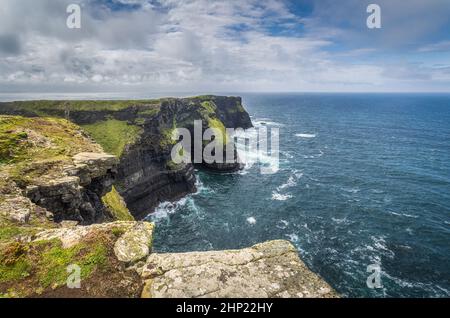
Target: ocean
{"x": 364, "y": 180}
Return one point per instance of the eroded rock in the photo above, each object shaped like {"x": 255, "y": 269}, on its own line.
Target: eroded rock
{"x": 135, "y": 244}
{"x": 76, "y": 193}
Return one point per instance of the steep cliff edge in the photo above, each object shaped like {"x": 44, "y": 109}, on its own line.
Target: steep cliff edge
{"x": 139, "y": 133}
{"x": 50, "y": 170}
{"x": 51, "y": 167}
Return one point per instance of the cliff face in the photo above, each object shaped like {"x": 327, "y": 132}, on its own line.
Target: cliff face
{"x": 146, "y": 176}
{"x": 51, "y": 164}
{"x": 55, "y": 182}
{"x": 77, "y": 194}
{"x": 139, "y": 133}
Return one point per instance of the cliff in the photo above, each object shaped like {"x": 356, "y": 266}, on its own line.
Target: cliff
{"x": 139, "y": 133}
{"x": 64, "y": 206}
{"x": 51, "y": 167}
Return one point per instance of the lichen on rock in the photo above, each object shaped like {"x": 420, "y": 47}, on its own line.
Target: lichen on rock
{"x": 271, "y": 269}
{"x": 135, "y": 244}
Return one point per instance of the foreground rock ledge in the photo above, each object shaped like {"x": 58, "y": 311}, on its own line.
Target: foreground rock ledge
{"x": 270, "y": 269}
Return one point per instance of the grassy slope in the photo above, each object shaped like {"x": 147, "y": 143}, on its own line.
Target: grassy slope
{"x": 33, "y": 139}
{"x": 117, "y": 206}
{"x": 33, "y": 148}
{"x": 113, "y": 135}
{"x": 35, "y": 267}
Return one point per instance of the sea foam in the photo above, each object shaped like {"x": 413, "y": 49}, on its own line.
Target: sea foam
{"x": 306, "y": 135}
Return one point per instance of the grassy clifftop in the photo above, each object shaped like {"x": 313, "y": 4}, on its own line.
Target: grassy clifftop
{"x": 33, "y": 148}
{"x": 115, "y": 123}
{"x": 43, "y": 107}
{"x": 37, "y": 151}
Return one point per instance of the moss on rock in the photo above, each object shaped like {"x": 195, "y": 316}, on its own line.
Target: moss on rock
{"x": 117, "y": 206}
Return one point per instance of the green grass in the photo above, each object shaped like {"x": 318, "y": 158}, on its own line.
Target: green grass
{"x": 208, "y": 108}
{"x": 13, "y": 262}
{"x": 8, "y": 232}
{"x": 18, "y": 270}
{"x": 54, "y": 262}
{"x": 117, "y": 206}
{"x": 42, "y": 107}
{"x": 113, "y": 135}
{"x": 218, "y": 126}
{"x": 33, "y": 147}
{"x": 46, "y": 262}
{"x": 166, "y": 136}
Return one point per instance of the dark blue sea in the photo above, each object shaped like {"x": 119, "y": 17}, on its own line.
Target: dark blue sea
{"x": 364, "y": 179}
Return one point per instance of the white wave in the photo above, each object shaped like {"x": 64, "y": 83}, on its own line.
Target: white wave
{"x": 280, "y": 197}
{"x": 438, "y": 291}
{"x": 287, "y": 154}
{"x": 351, "y": 190}
{"x": 251, "y": 220}
{"x": 340, "y": 221}
{"x": 167, "y": 208}
{"x": 282, "y": 224}
{"x": 379, "y": 243}
{"x": 250, "y": 155}
{"x": 403, "y": 214}
{"x": 320, "y": 154}
{"x": 266, "y": 122}
{"x": 290, "y": 183}
{"x": 306, "y": 135}
{"x": 292, "y": 237}
{"x": 292, "y": 180}
{"x": 201, "y": 188}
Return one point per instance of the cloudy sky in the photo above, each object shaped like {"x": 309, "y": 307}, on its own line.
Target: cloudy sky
{"x": 224, "y": 46}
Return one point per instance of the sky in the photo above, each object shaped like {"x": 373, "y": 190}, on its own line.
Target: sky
{"x": 224, "y": 46}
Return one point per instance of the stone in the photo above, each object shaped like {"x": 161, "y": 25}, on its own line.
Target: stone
{"x": 71, "y": 236}
{"x": 17, "y": 209}
{"x": 96, "y": 164}
{"x": 68, "y": 224}
{"x": 270, "y": 269}
{"x": 135, "y": 244}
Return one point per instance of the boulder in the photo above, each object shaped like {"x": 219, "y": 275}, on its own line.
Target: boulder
{"x": 135, "y": 244}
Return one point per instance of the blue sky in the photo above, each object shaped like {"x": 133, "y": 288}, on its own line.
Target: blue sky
{"x": 214, "y": 46}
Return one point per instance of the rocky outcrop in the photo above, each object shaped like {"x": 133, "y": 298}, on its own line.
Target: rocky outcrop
{"x": 135, "y": 244}
{"x": 76, "y": 194}
{"x": 50, "y": 168}
{"x": 116, "y": 260}
{"x": 271, "y": 269}
{"x": 42, "y": 262}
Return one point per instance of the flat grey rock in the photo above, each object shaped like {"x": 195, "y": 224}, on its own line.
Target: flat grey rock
{"x": 270, "y": 269}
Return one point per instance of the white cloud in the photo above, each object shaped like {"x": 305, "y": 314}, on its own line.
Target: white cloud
{"x": 183, "y": 45}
